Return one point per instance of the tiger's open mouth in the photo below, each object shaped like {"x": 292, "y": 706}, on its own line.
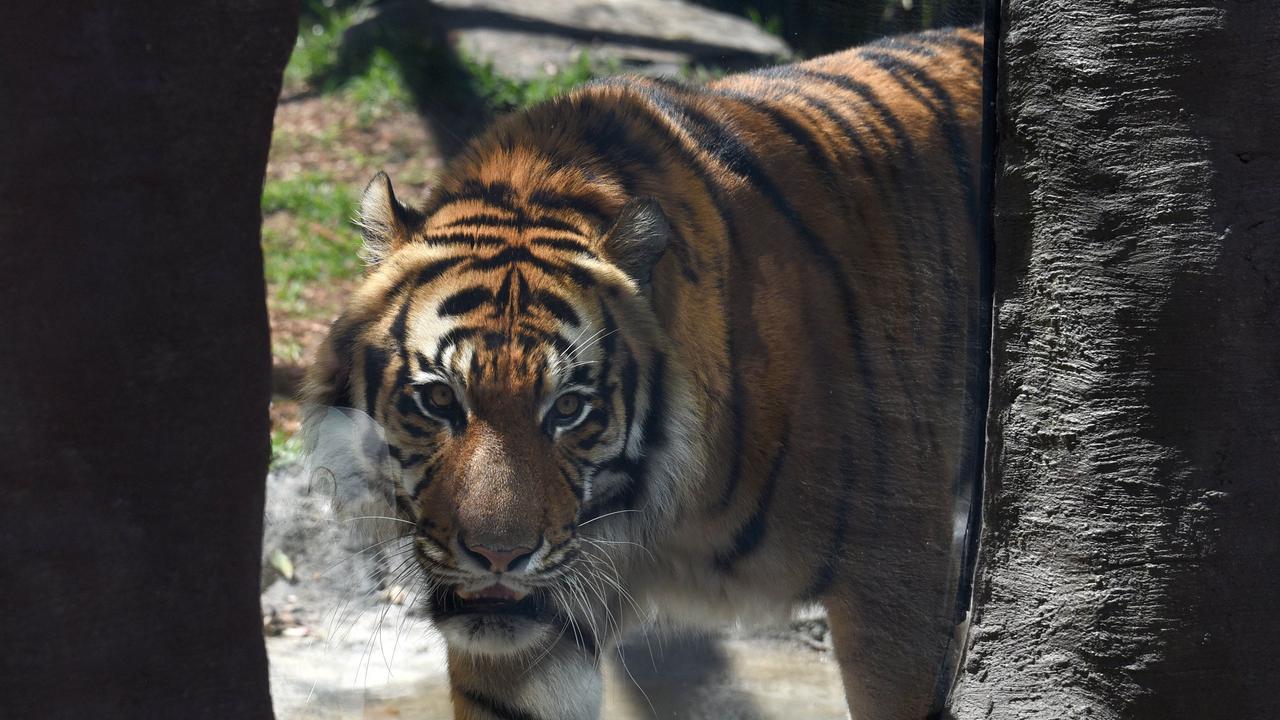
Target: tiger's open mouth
{"x": 493, "y": 600}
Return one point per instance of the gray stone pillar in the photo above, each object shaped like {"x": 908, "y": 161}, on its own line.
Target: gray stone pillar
{"x": 134, "y": 359}
{"x": 1130, "y": 559}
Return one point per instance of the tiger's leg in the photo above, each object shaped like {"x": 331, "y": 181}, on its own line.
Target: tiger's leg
{"x": 888, "y": 658}
{"x": 564, "y": 682}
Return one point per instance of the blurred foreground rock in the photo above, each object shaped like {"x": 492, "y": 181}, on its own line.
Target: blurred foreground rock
{"x": 347, "y": 639}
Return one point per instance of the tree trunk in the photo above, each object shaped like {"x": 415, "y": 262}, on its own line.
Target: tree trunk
{"x": 1129, "y": 557}
{"x": 134, "y": 363}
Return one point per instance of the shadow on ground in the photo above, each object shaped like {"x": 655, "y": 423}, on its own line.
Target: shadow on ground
{"x": 422, "y": 38}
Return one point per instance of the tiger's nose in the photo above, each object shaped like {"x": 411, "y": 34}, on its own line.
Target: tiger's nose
{"x": 498, "y": 560}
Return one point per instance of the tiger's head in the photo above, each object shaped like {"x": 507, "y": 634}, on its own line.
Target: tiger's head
{"x": 530, "y": 406}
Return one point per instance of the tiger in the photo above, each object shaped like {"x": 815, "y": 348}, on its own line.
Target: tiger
{"x": 655, "y": 355}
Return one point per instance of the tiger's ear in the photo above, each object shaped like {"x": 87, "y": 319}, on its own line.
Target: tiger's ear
{"x": 386, "y": 224}
{"x": 638, "y": 239}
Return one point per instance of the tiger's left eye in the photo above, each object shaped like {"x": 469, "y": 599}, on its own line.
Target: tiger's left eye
{"x": 566, "y": 408}
{"x": 440, "y": 396}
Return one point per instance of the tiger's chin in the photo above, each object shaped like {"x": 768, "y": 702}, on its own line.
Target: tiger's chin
{"x": 492, "y": 627}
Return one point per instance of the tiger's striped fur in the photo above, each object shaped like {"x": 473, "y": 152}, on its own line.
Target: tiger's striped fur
{"x": 761, "y": 298}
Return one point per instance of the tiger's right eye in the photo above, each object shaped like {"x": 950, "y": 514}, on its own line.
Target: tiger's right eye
{"x": 438, "y": 400}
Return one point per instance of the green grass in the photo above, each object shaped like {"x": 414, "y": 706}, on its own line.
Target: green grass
{"x": 319, "y": 34}
{"x": 319, "y": 243}
{"x": 504, "y": 94}
{"x": 384, "y": 83}
{"x": 377, "y": 87}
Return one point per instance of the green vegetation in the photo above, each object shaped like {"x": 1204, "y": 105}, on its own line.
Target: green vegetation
{"x": 286, "y": 447}
{"x": 771, "y": 24}
{"x": 318, "y": 243}
{"x": 317, "y": 64}
{"x": 503, "y": 94}
{"x": 396, "y": 61}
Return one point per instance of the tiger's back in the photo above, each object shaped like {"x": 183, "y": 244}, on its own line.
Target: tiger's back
{"x": 790, "y": 389}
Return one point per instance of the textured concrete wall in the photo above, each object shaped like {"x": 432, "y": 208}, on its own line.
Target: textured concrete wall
{"x": 134, "y": 363}
{"x": 1132, "y": 533}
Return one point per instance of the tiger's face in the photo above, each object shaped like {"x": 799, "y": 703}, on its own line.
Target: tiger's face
{"x": 516, "y": 390}
{"x": 501, "y": 413}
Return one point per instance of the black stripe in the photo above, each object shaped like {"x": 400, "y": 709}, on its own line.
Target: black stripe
{"x": 403, "y": 505}
{"x": 607, "y": 137}
{"x": 581, "y": 374}
{"x": 941, "y": 106}
{"x": 462, "y": 238}
{"x": 434, "y": 270}
{"x": 664, "y": 110}
{"x": 518, "y": 220}
{"x": 905, "y": 149}
{"x": 629, "y": 380}
{"x": 512, "y": 255}
{"x": 531, "y": 337}
{"x": 829, "y": 562}
{"x": 399, "y": 326}
{"x": 495, "y": 707}
{"x": 424, "y": 275}
{"x": 613, "y": 138}
{"x": 557, "y": 306}
{"x": 737, "y": 155}
{"x": 584, "y": 206}
{"x": 654, "y": 429}
{"x": 802, "y": 137}
{"x": 886, "y": 115}
{"x": 906, "y": 43}
{"x": 535, "y": 335}
{"x": 405, "y": 404}
{"x": 749, "y": 536}
{"x": 573, "y": 487}
{"x": 848, "y": 133}
{"x": 943, "y": 110}
{"x": 906, "y": 254}
{"x": 375, "y": 366}
{"x": 464, "y": 301}
{"x": 498, "y": 194}
{"x": 523, "y": 293}
{"x": 453, "y": 337}
{"x": 589, "y": 441}
{"x": 653, "y": 432}
{"x": 971, "y": 49}
{"x": 547, "y": 222}
{"x": 494, "y": 340}
{"x": 502, "y": 298}
{"x": 484, "y": 219}
{"x": 624, "y": 495}
{"x": 563, "y": 244}
{"x": 428, "y": 474}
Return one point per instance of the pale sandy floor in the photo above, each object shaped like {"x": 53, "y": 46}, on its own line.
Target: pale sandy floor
{"x": 340, "y": 648}
{"x": 354, "y": 674}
